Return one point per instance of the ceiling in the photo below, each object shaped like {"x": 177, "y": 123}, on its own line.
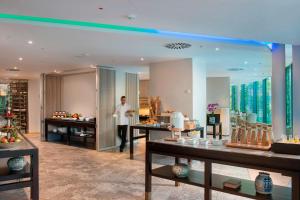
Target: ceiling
{"x": 264, "y": 20}
{"x": 65, "y": 48}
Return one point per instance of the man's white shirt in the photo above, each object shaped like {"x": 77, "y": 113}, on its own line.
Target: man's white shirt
{"x": 121, "y": 112}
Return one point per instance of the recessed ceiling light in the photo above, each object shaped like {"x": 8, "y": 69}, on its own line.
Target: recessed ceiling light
{"x": 246, "y": 62}
{"x": 131, "y": 16}
{"x": 56, "y": 71}
{"x": 13, "y": 69}
{"x": 30, "y": 42}
{"x": 217, "y": 49}
{"x": 142, "y": 59}
{"x": 20, "y": 59}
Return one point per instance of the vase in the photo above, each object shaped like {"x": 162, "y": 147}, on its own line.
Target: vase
{"x": 16, "y": 164}
{"x": 181, "y": 170}
{"x": 263, "y": 183}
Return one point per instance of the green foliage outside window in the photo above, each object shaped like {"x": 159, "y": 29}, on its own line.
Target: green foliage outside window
{"x": 234, "y": 98}
{"x": 289, "y": 99}
{"x": 244, "y": 98}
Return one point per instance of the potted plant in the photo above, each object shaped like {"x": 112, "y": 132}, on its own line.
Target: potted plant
{"x": 212, "y": 118}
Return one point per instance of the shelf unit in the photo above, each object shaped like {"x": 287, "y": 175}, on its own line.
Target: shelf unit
{"x": 26, "y": 178}
{"x": 288, "y": 165}
{"x": 247, "y": 189}
{"x": 19, "y": 103}
{"x": 2, "y": 105}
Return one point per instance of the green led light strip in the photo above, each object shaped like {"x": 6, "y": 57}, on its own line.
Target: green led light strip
{"x": 75, "y": 23}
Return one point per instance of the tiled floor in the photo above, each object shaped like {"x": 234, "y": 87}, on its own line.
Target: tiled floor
{"x": 71, "y": 173}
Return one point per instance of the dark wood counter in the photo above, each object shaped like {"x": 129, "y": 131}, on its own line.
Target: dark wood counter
{"x": 288, "y": 165}
{"x": 147, "y": 129}
{"x": 29, "y": 176}
{"x": 69, "y": 124}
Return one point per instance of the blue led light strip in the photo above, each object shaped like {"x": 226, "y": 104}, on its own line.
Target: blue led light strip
{"x": 83, "y": 24}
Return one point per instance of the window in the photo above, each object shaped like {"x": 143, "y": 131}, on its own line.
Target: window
{"x": 267, "y": 100}
{"x": 233, "y": 98}
{"x": 258, "y": 100}
{"x": 249, "y": 104}
{"x": 244, "y": 98}
{"x": 289, "y": 98}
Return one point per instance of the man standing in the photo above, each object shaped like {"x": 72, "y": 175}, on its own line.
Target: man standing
{"x": 123, "y": 113}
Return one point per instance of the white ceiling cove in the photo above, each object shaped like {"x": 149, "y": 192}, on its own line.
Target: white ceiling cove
{"x": 64, "y": 48}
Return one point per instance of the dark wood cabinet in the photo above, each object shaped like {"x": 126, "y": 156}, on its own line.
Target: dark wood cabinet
{"x": 89, "y": 140}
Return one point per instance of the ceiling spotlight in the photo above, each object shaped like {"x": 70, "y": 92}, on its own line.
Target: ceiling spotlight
{"x": 217, "y": 49}
{"x": 131, "y": 17}
{"x": 13, "y": 69}
{"x": 246, "y": 62}
{"x": 235, "y": 69}
{"x": 20, "y": 59}
{"x": 30, "y": 42}
{"x": 142, "y": 59}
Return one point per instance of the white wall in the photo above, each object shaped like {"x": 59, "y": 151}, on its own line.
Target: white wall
{"x": 296, "y": 90}
{"x": 172, "y": 81}
{"x": 34, "y": 105}
{"x": 144, "y": 88}
{"x": 79, "y": 93}
{"x": 278, "y": 91}
{"x": 218, "y": 91}
{"x": 199, "y": 91}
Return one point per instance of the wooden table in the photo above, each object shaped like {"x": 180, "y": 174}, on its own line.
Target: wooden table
{"x": 288, "y": 165}
{"x": 29, "y": 176}
{"x": 71, "y": 123}
{"x": 147, "y": 129}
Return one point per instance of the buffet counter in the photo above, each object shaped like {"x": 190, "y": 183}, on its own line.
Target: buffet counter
{"x": 70, "y": 135}
{"x": 288, "y": 165}
{"x": 149, "y": 129}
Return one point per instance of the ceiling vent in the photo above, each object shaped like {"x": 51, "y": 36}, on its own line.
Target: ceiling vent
{"x": 178, "y": 45}
{"x": 235, "y": 69}
{"x": 13, "y": 69}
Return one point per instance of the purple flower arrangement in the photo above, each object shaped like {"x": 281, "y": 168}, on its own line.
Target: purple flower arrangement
{"x": 212, "y": 107}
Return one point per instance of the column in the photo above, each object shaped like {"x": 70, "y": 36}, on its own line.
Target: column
{"x": 278, "y": 91}
{"x": 296, "y": 90}
{"x": 199, "y": 91}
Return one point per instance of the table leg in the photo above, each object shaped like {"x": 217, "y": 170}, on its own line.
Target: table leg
{"x": 296, "y": 187}
{"x": 131, "y": 142}
{"x": 214, "y": 131}
{"x": 35, "y": 175}
{"x": 148, "y": 177}
{"x": 202, "y": 133}
{"x": 207, "y": 180}
{"x": 177, "y": 160}
{"x": 220, "y": 131}
{"x": 68, "y": 135}
{"x": 46, "y": 131}
{"x": 147, "y": 135}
